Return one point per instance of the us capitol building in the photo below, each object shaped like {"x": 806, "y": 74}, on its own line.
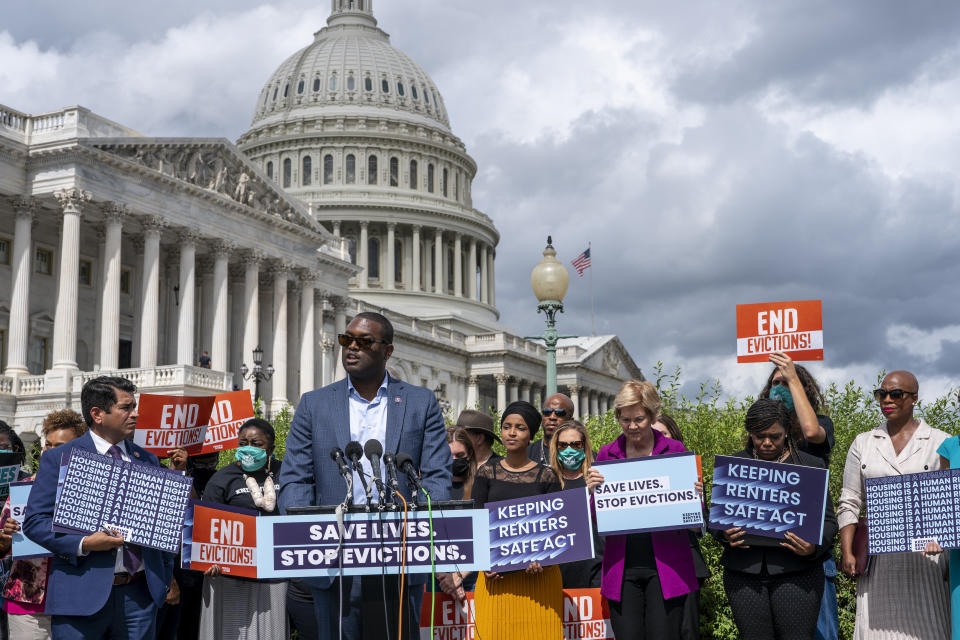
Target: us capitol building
{"x": 130, "y": 254}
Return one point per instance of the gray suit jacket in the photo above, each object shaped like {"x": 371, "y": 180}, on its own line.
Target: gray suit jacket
{"x": 322, "y": 421}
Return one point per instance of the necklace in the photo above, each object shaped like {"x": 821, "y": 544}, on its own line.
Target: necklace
{"x": 266, "y": 499}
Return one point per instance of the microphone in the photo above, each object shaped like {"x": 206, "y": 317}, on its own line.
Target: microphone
{"x": 337, "y": 455}
{"x": 405, "y": 464}
{"x": 354, "y": 452}
{"x": 390, "y": 462}
{"x": 373, "y": 450}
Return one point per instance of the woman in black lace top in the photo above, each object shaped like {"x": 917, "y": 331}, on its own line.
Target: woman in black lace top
{"x": 530, "y": 600}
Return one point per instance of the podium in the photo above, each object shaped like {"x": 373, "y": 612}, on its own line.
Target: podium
{"x": 378, "y": 596}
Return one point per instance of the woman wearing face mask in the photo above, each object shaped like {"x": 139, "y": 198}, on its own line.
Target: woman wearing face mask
{"x": 464, "y": 465}
{"x": 775, "y": 591}
{"x": 235, "y": 607}
{"x": 571, "y": 457}
{"x": 793, "y": 385}
{"x": 517, "y": 604}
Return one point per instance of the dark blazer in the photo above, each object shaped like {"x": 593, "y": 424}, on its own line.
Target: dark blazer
{"x": 778, "y": 559}
{"x": 80, "y": 585}
{"x": 322, "y": 421}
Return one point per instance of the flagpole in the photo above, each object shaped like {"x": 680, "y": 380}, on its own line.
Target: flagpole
{"x": 593, "y": 325}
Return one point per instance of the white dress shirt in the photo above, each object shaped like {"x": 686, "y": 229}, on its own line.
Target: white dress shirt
{"x": 368, "y": 421}
{"x": 102, "y": 448}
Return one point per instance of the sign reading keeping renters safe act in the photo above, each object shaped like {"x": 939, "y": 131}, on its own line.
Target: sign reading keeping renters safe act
{"x": 795, "y": 328}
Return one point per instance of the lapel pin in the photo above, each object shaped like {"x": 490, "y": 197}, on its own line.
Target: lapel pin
{"x": 136, "y": 454}
{"x": 397, "y": 400}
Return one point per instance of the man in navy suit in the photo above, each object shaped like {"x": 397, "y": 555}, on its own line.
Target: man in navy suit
{"x": 368, "y": 404}
{"x": 99, "y": 587}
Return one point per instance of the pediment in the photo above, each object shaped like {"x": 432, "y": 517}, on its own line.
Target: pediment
{"x": 215, "y": 166}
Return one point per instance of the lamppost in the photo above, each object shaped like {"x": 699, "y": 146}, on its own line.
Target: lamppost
{"x": 259, "y": 374}
{"x": 442, "y": 401}
{"x": 550, "y": 280}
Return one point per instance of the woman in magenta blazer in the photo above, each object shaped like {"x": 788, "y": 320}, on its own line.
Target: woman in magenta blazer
{"x": 646, "y": 576}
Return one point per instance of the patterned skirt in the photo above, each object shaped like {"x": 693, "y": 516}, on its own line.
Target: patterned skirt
{"x": 904, "y": 597}
{"x": 521, "y": 606}
{"x": 243, "y": 609}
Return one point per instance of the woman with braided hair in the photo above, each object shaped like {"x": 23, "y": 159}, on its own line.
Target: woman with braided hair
{"x": 775, "y": 591}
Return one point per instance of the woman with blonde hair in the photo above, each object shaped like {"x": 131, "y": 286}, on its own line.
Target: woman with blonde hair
{"x": 646, "y": 576}
{"x": 571, "y": 456}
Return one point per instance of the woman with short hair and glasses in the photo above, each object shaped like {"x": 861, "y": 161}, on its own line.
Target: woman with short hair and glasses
{"x": 646, "y": 576}
{"x": 904, "y": 594}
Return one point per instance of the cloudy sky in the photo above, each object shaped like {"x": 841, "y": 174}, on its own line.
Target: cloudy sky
{"x": 712, "y": 153}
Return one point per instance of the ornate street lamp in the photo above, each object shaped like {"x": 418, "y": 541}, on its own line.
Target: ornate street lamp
{"x": 259, "y": 374}
{"x": 443, "y": 402}
{"x": 549, "y": 281}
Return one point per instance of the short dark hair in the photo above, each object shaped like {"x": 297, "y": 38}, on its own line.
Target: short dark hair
{"x": 385, "y": 325}
{"x": 263, "y": 425}
{"x": 16, "y": 444}
{"x": 101, "y": 392}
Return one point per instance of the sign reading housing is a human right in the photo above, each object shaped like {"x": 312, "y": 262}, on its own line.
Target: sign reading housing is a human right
{"x": 795, "y": 328}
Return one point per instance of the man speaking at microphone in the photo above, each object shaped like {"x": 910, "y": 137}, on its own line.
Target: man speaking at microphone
{"x": 368, "y": 405}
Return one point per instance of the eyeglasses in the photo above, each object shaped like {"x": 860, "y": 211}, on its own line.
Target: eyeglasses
{"x": 554, "y": 412}
{"x": 363, "y": 342}
{"x": 780, "y": 382}
{"x": 574, "y": 445}
{"x": 895, "y": 394}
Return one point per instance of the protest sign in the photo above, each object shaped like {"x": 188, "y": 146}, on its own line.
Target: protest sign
{"x": 230, "y": 410}
{"x": 654, "y": 493}
{"x": 585, "y": 616}
{"x": 23, "y": 547}
{"x": 792, "y": 327}
{"x": 309, "y": 545}
{"x": 768, "y": 499}
{"x": 172, "y": 422}
{"x": 906, "y": 512}
{"x": 8, "y": 475}
{"x": 215, "y": 534}
{"x": 147, "y": 504}
{"x": 549, "y": 529}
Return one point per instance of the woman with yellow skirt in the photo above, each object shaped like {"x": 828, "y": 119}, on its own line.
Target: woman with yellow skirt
{"x": 518, "y": 605}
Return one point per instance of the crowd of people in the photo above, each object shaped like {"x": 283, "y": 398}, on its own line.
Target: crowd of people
{"x": 98, "y": 586}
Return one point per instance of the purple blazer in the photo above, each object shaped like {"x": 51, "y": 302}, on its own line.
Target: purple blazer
{"x": 671, "y": 549}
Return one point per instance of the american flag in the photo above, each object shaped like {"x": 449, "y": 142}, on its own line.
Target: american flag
{"x": 582, "y": 262}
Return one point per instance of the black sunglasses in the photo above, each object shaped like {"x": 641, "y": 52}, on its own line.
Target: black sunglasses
{"x": 895, "y": 394}
{"x": 557, "y": 412}
{"x": 363, "y": 342}
{"x": 578, "y": 444}
{"x": 778, "y": 383}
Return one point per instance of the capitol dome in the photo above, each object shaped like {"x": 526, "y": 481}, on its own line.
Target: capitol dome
{"x": 358, "y": 131}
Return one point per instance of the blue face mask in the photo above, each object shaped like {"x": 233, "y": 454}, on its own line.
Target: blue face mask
{"x": 571, "y": 458}
{"x": 782, "y": 394}
{"x": 251, "y": 458}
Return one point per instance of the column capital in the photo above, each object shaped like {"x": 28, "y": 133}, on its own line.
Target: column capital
{"x": 525, "y": 385}
{"x": 364, "y": 224}
{"x": 327, "y": 342}
{"x": 115, "y": 212}
{"x": 501, "y": 378}
{"x": 25, "y": 207}
{"x": 138, "y": 244}
{"x": 72, "y": 200}
{"x": 340, "y": 303}
{"x": 391, "y": 225}
{"x": 222, "y": 248}
{"x": 280, "y": 269}
{"x": 438, "y": 232}
{"x": 458, "y": 236}
{"x": 188, "y": 236}
{"x": 235, "y": 272}
{"x": 153, "y": 224}
{"x": 473, "y": 380}
{"x": 574, "y": 389}
{"x": 416, "y": 227}
{"x": 253, "y": 257}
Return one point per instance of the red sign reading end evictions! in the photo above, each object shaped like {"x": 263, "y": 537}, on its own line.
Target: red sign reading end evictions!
{"x": 795, "y": 328}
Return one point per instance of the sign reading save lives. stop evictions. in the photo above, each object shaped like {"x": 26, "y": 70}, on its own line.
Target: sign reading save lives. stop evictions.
{"x": 145, "y": 503}
{"x": 655, "y": 493}
{"x": 792, "y": 327}
{"x": 768, "y": 499}
{"x": 549, "y": 529}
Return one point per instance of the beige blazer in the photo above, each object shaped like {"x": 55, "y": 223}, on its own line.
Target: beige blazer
{"x": 872, "y": 456}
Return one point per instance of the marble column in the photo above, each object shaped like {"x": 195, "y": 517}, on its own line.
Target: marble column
{"x": 484, "y": 276}
{"x": 415, "y": 271}
{"x": 473, "y": 393}
{"x": 251, "y": 307}
{"x": 390, "y": 271}
{"x": 458, "y": 265}
{"x": 594, "y": 404}
{"x": 21, "y": 268}
{"x": 150, "y": 308}
{"x": 525, "y": 388}
{"x": 307, "y": 338}
{"x": 438, "y": 279}
{"x": 492, "y": 296}
{"x": 110, "y": 304}
{"x": 187, "y": 318}
{"x": 326, "y": 360}
{"x": 363, "y": 256}
{"x": 340, "y": 325}
{"x": 220, "y": 336}
{"x": 278, "y": 396}
{"x": 574, "y": 390}
{"x": 472, "y": 270}
{"x": 65, "y": 322}
{"x": 512, "y": 390}
{"x": 501, "y": 379}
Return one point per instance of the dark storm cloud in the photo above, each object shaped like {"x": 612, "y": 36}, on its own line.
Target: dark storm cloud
{"x": 824, "y": 51}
